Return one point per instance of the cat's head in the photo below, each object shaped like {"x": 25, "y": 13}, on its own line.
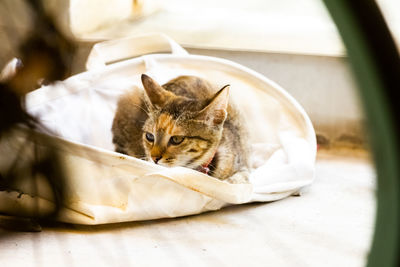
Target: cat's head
{"x": 181, "y": 131}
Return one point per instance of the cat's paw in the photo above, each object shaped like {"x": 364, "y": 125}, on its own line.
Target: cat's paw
{"x": 241, "y": 177}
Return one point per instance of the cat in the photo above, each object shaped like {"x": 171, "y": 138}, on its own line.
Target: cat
{"x": 186, "y": 122}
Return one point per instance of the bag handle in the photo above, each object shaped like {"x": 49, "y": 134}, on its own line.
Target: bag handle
{"x": 115, "y": 50}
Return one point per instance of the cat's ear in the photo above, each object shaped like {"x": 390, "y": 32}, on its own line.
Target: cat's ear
{"x": 157, "y": 95}
{"x": 215, "y": 112}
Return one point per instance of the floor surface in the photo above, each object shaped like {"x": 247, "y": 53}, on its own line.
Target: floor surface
{"x": 331, "y": 224}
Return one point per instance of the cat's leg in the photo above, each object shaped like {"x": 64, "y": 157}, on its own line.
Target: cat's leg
{"x": 240, "y": 177}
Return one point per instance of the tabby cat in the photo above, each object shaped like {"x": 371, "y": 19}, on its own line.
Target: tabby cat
{"x": 186, "y": 122}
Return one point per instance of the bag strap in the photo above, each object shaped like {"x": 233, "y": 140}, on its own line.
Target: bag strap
{"x": 119, "y": 49}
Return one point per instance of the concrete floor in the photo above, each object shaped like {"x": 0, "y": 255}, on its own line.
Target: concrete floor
{"x": 331, "y": 224}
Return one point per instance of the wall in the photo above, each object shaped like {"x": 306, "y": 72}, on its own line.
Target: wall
{"x": 322, "y": 84}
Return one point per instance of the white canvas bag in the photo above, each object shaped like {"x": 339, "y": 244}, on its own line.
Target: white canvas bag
{"x": 108, "y": 187}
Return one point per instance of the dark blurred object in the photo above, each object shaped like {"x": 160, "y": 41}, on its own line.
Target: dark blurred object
{"x": 376, "y": 64}
{"x": 45, "y": 56}
{"x": 46, "y": 53}
{"x": 19, "y": 224}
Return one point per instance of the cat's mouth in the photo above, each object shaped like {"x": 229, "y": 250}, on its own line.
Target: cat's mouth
{"x": 200, "y": 168}
{"x": 171, "y": 162}
{"x": 176, "y": 163}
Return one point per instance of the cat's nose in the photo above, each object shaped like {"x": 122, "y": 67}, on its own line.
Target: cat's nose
{"x": 156, "y": 158}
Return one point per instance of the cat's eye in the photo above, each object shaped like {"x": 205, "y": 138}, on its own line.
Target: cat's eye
{"x": 150, "y": 137}
{"x": 176, "y": 140}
